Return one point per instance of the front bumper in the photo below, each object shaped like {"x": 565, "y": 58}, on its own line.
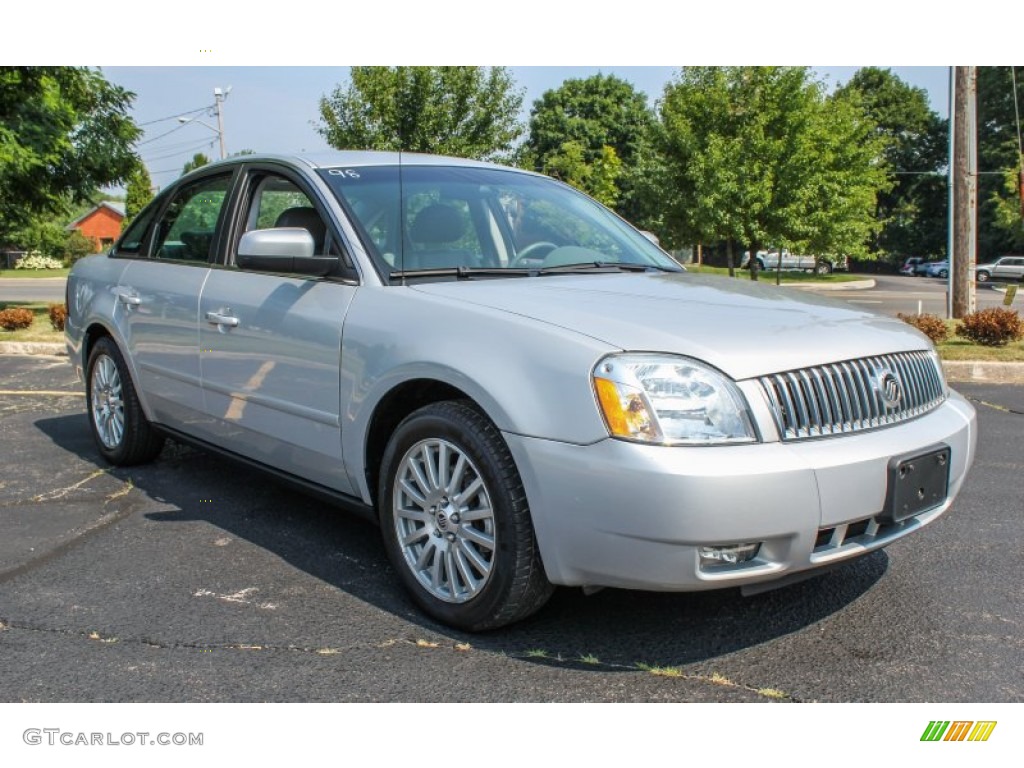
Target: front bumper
{"x": 618, "y": 514}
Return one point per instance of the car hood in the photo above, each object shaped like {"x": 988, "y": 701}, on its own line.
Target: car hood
{"x": 741, "y": 327}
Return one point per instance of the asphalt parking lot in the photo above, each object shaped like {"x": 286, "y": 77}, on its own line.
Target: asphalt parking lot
{"x": 194, "y": 579}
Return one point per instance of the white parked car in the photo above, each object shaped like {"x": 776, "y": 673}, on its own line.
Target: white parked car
{"x": 1003, "y": 268}
{"x": 519, "y": 387}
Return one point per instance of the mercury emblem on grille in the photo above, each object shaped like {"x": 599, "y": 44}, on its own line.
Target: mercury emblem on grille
{"x": 889, "y": 388}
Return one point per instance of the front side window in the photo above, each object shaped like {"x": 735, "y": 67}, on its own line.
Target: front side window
{"x": 187, "y": 228}
{"x": 277, "y": 202}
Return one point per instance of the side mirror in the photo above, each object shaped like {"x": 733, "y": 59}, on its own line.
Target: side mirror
{"x": 283, "y": 249}
{"x": 651, "y": 236}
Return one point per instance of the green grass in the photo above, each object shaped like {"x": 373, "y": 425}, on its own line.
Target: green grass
{"x": 769, "y": 276}
{"x": 40, "y": 330}
{"x": 34, "y": 272}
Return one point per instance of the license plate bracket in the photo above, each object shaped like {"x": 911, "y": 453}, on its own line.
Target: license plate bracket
{"x": 917, "y": 482}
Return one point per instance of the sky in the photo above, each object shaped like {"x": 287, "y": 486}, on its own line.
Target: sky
{"x": 274, "y": 108}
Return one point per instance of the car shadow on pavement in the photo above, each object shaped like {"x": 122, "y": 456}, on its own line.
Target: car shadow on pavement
{"x": 619, "y": 628}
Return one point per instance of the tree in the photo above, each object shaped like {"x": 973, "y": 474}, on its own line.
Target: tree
{"x": 463, "y": 111}
{"x": 64, "y": 132}
{"x": 757, "y": 155}
{"x": 76, "y": 246}
{"x": 597, "y": 178}
{"x": 912, "y": 213}
{"x": 595, "y": 114}
{"x": 1000, "y": 223}
{"x": 138, "y": 193}
{"x": 198, "y": 161}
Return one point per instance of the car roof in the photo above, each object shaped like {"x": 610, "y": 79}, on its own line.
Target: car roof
{"x": 362, "y": 158}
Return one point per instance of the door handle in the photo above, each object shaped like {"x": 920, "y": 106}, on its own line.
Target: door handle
{"x": 129, "y": 299}
{"x": 216, "y": 318}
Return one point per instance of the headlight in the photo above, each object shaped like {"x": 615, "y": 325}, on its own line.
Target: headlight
{"x": 670, "y": 400}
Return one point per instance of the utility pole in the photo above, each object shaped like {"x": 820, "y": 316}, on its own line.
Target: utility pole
{"x": 219, "y": 95}
{"x": 964, "y": 196}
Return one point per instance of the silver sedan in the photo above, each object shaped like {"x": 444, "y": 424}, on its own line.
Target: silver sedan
{"x": 517, "y": 385}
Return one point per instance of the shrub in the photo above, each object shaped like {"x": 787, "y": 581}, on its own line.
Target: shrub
{"x": 13, "y": 319}
{"x": 58, "y": 314}
{"x": 993, "y": 327}
{"x": 932, "y": 326}
{"x": 36, "y": 260}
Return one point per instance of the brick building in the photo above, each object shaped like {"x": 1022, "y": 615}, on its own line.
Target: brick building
{"x": 102, "y": 224}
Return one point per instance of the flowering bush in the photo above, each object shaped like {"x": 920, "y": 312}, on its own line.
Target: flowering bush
{"x": 932, "y": 326}
{"x": 36, "y": 260}
{"x": 993, "y": 327}
{"x": 13, "y": 319}
{"x": 58, "y": 314}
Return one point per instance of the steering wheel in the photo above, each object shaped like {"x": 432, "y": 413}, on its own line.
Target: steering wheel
{"x": 531, "y": 252}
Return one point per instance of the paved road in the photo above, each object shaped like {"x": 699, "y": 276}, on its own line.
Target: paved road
{"x": 893, "y": 294}
{"x": 194, "y": 579}
{"x": 32, "y": 289}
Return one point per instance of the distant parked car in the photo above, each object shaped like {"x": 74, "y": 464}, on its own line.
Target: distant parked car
{"x": 937, "y": 269}
{"x": 792, "y": 262}
{"x": 1005, "y": 268}
{"x": 910, "y": 265}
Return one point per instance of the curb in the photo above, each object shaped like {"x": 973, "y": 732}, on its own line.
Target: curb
{"x": 32, "y": 348}
{"x": 852, "y": 285}
{"x": 983, "y": 372}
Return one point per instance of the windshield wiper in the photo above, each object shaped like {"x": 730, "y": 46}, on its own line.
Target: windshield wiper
{"x": 601, "y": 267}
{"x": 462, "y": 273}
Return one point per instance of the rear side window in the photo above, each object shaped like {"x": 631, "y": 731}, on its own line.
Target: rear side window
{"x": 187, "y": 229}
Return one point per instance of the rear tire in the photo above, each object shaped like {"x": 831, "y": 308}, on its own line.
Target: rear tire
{"x": 122, "y": 433}
{"x": 455, "y": 520}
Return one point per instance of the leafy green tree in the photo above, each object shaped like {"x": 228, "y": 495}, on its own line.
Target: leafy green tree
{"x": 597, "y": 178}
{"x": 759, "y": 156}
{"x": 596, "y": 114}
{"x": 138, "y": 193}
{"x": 463, "y": 111}
{"x": 64, "y": 132}
{"x": 1000, "y": 224}
{"x": 912, "y": 213}
{"x": 198, "y": 161}
{"x": 43, "y": 233}
{"x": 77, "y": 245}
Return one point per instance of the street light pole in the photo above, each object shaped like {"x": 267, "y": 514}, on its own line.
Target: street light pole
{"x": 219, "y": 95}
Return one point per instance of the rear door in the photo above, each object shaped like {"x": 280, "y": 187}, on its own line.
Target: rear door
{"x": 271, "y": 343}
{"x": 159, "y": 297}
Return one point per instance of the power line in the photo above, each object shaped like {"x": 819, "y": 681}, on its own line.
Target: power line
{"x": 174, "y": 117}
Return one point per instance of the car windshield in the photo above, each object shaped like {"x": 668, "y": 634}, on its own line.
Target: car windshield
{"x": 470, "y": 220}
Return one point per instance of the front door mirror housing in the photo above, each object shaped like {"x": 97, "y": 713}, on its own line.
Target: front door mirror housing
{"x": 282, "y": 249}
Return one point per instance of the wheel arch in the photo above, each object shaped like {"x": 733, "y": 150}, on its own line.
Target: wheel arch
{"x": 97, "y": 330}
{"x": 391, "y": 409}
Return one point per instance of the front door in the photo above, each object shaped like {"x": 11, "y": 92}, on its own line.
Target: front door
{"x": 270, "y": 348}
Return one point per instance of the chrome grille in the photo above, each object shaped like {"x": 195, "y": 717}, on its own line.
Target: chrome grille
{"x": 853, "y": 395}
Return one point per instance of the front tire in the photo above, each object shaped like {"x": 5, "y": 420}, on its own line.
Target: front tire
{"x": 823, "y": 268}
{"x": 983, "y": 277}
{"x": 455, "y": 520}
{"x": 122, "y": 433}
